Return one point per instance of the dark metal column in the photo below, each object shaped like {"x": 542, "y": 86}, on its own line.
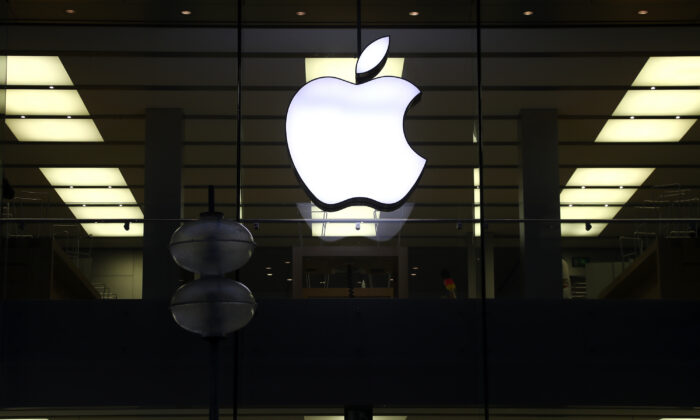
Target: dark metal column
{"x": 540, "y": 243}
{"x": 163, "y": 199}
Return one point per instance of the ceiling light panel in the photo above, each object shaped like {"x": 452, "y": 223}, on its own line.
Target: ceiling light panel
{"x": 84, "y": 177}
{"x": 109, "y": 212}
{"x": 106, "y": 212}
{"x": 585, "y": 212}
{"x": 99, "y": 200}
{"x": 669, "y": 71}
{"x": 344, "y": 229}
{"x": 644, "y": 130}
{"x": 113, "y": 230}
{"x": 54, "y": 129}
{"x": 44, "y": 102}
{"x": 579, "y": 229}
{"x": 96, "y": 195}
{"x": 669, "y": 102}
{"x": 344, "y": 68}
{"x": 46, "y": 71}
{"x": 588, "y": 212}
{"x": 596, "y": 195}
{"x": 36, "y": 71}
{"x": 609, "y": 177}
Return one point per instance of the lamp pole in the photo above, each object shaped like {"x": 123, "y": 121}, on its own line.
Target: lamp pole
{"x": 212, "y": 306}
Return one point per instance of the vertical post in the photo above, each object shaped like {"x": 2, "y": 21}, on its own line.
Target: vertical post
{"x": 540, "y": 243}
{"x": 162, "y": 199}
{"x": 214, "y": 378}
{"x": 239, "y": 191}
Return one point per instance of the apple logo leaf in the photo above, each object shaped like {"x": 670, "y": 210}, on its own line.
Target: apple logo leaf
{"x": 372, "y": 60}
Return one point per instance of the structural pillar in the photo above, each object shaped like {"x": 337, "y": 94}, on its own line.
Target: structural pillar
{"x": 540, "y": 242}
{"x": 163, "y": 199}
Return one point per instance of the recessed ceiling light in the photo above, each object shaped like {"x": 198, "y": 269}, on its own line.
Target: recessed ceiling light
{"x": 413, "y": 274}
{"x": 642, "y": 12}
{"x": 528, "y": 13}
{"x": 269, "y": 274}
{"x": 185, "y": 12}
{"x": 653, "y": 88}
{"x": 415, "y": 267}
{"x": 268, "y": 268}
{"x": 287, "y": 262}
{"x": 301, "y": 13}
{"x": 413, "y": 13}
{"x": 70, "y": 11}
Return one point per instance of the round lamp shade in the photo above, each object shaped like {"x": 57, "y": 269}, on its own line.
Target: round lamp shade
{"x": 212, "y": 246}
{"x": 212, "y": 306}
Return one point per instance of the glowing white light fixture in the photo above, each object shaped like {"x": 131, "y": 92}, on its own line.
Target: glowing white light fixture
{"x": 99, "y": 200}
{"x": 344, "y": 68}
{"x": 113, "y": 230}
{"x": 597, "y": 203}
{"x": 657, "y": 71}
{"x": 109, "y": 212}
{"x": 605, "y": 177}
{"x": 36, "y": 71}
{"x": 54, "y": 130}
{"x": 341, "y": 230}
{"x": 347, "y": 142}
{"x": 373, "y": 226}
{"x": 45, "y": 71}
{"x": 44, "y": 102}
{"x": 96, "y": 195}
{"x": 477, "y": 202}
{"x": 669, "y": 102}
{"x": 596, "y": 195}
{"x": 669, "y": 71}
{"x": 84, "y": 177}
{"x": 646, "y": 130}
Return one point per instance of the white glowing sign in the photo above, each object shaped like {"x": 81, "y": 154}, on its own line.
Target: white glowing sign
{"x": 346, "y": 140}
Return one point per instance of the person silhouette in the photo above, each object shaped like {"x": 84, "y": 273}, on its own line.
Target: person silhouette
{"x": 449, "y": 284}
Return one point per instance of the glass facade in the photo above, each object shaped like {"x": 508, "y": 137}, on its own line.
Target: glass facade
{"x": 562, "y": 159}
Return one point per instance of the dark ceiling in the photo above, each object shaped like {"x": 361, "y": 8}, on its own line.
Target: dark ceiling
{"x": 120, "y": 71}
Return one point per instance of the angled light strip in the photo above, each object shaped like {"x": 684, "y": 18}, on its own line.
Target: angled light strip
{"x": 645, "y": 130}
{"x": 580, "y": 202}
{"x": 45, "y": 72}
{"x": 26, "y": 70}
{"x": 84, "y": 177}
{"x": 58, "y": 130}
{"x": 670, "y": 102}
{"x": 100, "y": 199}
{"x": 344, "y": 68}
{"x": 670, "y": 71}
{"x": 674, "y": 103}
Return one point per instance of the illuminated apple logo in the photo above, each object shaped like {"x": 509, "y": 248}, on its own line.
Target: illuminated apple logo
{"x": 346, "y": 140}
